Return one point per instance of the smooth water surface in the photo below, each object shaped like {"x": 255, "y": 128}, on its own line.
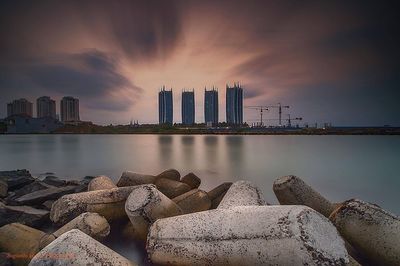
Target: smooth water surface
{"x": 339, "y": 167}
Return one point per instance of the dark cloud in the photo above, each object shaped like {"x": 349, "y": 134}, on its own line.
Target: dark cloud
{"x": 90, "y": 75}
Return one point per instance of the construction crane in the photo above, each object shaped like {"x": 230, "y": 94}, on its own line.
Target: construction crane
{"x": 289, "y": 120}
{"x": 261, "y": 109}
{"x": 266, "y": 107}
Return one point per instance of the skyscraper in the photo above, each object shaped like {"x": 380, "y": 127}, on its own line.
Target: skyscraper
{"x": 234, "y": 104}
{"x": 69, "y": 109}
{"x": 211, "y": 106}
{"x": 20, "y": 107}
{"x": 45, "y": 107}
{"x": 165, "y": 113}
{"x": 188, "y": 107}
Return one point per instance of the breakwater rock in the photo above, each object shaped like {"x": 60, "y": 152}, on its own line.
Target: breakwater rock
{"x": 175, "y": 222}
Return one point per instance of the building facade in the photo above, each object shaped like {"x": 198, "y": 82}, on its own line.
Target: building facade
{"x": 234, "y": 104}
{"x": 165, "y": 106}
{"x": 188, "y": 110}
{"x": 211, "y": 107}
{"x": 45, "y": 107}
{"x": 20, "y": 107}
{"x": 69, "y": 109}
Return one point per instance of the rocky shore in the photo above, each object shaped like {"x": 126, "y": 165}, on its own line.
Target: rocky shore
{"x": 50, "y": 221}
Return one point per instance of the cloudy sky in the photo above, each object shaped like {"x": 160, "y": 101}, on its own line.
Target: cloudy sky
{"x": 331, "y": 61}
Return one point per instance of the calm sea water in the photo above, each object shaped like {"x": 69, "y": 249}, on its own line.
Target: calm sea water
{"x": 339, "y": 167}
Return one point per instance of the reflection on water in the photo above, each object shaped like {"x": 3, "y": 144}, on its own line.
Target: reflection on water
{"x": 340, "y": 167}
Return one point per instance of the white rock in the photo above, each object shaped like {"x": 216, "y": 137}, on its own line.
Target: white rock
{"x": 101, "y": 182}
{"x": 242, "y": 193}
{"x": 76, "y": 248}
{"x": 248, "y": 235}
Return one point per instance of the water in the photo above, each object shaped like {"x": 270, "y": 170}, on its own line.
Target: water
{"x": 340, "y": 167}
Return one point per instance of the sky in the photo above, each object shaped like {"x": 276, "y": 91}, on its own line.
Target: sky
{"x": 330, "y": 61}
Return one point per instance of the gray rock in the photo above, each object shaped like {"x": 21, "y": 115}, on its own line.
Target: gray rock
{"x": 247, "y": 235}
{"x": 101, "y": 182}
{"x": 171, "y": 188}
{"x": 292, "y": 190}
{"x": 47, "y": 204}
{"x": 217, "y": 194}
{"x": 38, "y": 197}
{"x": 172, "y": 174}
{"x": 3, "y": 189}
{"x": 54, "y": 181}
{"x": 16, "y": 179}
{"x": 242, "y": 193}
{"x": 372, "y": 231}
{"x": 145, "y": 205}
{"x": 133, "y": 179}
{"x": 109, "y": 203}
{"x": 195, "y": 200}
{"x": 22, "y": 214}
{"x": 77, "y": 248}
{"x": 192, "y": 180}
{"x": 32, "y": 187}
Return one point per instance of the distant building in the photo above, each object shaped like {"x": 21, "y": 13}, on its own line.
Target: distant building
{"x": 24, "y": 124}
{"x": 211, "y": 106}
{"x": 234, "y": 104}
{"x": 165, "y": 106}
{"x": 69, "y": 109}
{"x": 45, "y": 107}
{"x": 188, "y": 107}
{"x": 20, "y": 107}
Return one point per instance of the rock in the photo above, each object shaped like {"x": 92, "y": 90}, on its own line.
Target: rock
{"x": 171, "y": 174}
{"x": 16, "y": 179}
{"x": 101, "y": 182}
{"x": 242, "y": 193}
{"x": 5, "y": 259}
{"x": 108, "y": 203}
{"x": 32, "y": 187}
{"x": 134, "y": 179}
{"x": 217, "y": 194}
{"x": 25, "y": 242}
{"x": 194, "y": 200}
{"x": 92, "y": 224}
{"x": 291, "y": 190}
{"x": 247, "y": 235}
{"x": 54, "y": 181}
{"x": 47, "y": 204}
{"x": 372, "y": 231}
{"x": 171, "y": 188}
{"x": 75, "y": 247}
{"x": 38, "y": 197}
{"x": 191, "y": 180}
{"x": 3, "y": 189}
{"x": 145, "y": 205}
{"x": 22, "y": 214}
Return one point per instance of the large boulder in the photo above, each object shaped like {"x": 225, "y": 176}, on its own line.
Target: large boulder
{"x": 217, "y": 194}
{"x": 109, "y": 203}
{"x": 38, "y": 197}
{"x": 292, "y": 190}
{"x": 372, "y": 231}
{"x": 54, "y": 181}
{"x": 171, "y": 174}
{"x": 192, "y": 180}
{"x": 76, "y": 248}
{"x": 247, "y": 235}
{"x": 145, "y": 205}
{"x": 242, "y": 193}
{"x": 171, "y": 188}
{"x": 16, "y": 179}
{"x": 101, "y": 182}
{"x": 195, "y": 200}
{"x": 22, "y": 214}
{"x": 20, "y": 241}
{"x": 133, "y": 179}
